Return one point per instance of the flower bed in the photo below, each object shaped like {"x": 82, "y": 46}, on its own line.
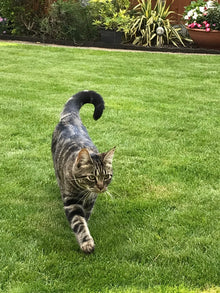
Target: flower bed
{"x": 203, "y": 15}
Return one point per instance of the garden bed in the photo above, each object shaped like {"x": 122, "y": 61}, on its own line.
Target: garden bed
{"x": 192, "y": 49}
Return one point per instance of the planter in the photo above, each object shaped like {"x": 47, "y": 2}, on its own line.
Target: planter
{"x": 208, "y": 40}
{"x": 111, "y": 37}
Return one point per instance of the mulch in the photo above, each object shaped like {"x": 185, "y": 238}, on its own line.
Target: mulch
{"x": 191, "y": 49}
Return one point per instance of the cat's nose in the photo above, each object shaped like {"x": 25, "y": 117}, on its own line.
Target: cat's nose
{"x": 100, "y": 186}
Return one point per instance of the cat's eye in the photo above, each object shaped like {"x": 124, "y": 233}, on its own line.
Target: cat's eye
{"x": 91, "y": 177}
{"x": 107, "y": 176}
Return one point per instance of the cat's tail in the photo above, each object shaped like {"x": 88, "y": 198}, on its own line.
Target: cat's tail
{"x": 74, "y": 104}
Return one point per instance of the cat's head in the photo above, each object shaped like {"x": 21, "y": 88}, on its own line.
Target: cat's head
{"x": 93, "y": 172}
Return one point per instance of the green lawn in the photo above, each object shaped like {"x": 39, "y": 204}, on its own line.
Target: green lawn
{"x": 159, "y": 231}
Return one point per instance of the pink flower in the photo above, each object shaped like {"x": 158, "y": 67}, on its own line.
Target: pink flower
{"x": 205, "y": 22}
{"x": 208, "y": 29}
{"x": 207, "y": 25}
{"x": 199, "y": 25}
{"x": 192, "y": 25}
{"x": 1, "y": 19}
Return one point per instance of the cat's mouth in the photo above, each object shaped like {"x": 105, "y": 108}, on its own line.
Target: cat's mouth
{"x": 99, "y": 189}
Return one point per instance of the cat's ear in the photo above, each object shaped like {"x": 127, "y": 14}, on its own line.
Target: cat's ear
{"x": 108, "y": 157}
{"x": 83, "y": 158}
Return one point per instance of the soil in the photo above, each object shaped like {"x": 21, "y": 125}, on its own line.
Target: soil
{"x": 190, "y": 49}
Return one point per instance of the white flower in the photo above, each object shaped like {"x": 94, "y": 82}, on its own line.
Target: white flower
{"x": 195, "y": 15}
{"x": 210, "y": 4}
{"x": 201, "y": 9}
{"x": 190, "y": 13}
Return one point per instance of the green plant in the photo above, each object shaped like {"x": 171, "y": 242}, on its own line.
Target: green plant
{"x": 112, "y": 15}
{"x": 203, "y": 14}
{"x": 213, "y": 17}
{"x": 147, "y": 19}
{"x": 22, "y": 17}
{"x": 3, "y": 25}
{"x": 68, "y": 20}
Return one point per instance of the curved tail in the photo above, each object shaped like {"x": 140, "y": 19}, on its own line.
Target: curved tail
{"x": 74, "y": 104}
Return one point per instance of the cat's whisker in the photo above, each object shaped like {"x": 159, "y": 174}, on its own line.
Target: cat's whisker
{"x": 85, "y": 196}
{"x": 108, "y": 193}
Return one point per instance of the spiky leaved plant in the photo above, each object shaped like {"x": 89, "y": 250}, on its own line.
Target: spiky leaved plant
{"x": 146, "y": 19}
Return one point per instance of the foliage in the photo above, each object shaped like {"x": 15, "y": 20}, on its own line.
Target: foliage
{"x": 160, "y": 230}
{"x": 143, "y": 27}
{"x": 68, "y": 20}
{"x": 22, "y": 18}
{"x": 112, "y": 15}
{"x": 203, "y": 15}
{"x": 65, "y": 20}
{"x": 213, "y": 18}
{"x": 3, "y": 25}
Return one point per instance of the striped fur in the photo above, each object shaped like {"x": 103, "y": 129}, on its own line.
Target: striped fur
{"x": 81, "y": 171}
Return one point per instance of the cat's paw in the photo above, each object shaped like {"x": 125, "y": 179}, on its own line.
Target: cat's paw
{"x": 88, "y": 246}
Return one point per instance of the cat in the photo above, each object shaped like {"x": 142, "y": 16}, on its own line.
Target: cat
{"x": 81, "y": 171}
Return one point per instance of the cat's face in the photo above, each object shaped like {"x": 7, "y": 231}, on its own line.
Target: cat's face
{"x": 93, "y": 172}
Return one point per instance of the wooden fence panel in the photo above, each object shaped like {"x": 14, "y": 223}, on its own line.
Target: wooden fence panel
{"x": 177, "y": 6}
{"x": 41, "y": 5}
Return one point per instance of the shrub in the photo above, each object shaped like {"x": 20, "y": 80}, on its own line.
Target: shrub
{"x": 3, "y": 25}
{"x": 213, "y": 18}
{"x": 68, "y": 20}
{"x": 112, "y": 15}
{"x": 22, "y": 18}
{"x": 147, "y": 19}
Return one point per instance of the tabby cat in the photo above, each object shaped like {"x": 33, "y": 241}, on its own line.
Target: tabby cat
{"x": 81, "y": 171}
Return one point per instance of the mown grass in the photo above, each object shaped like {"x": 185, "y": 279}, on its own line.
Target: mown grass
{"x": 160, "y": 230}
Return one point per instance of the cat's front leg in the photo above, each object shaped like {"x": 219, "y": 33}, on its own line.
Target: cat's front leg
{"x": 76, "y": 217}
{"x": 83, "y": 236}
{"x": 81, "y": 230}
